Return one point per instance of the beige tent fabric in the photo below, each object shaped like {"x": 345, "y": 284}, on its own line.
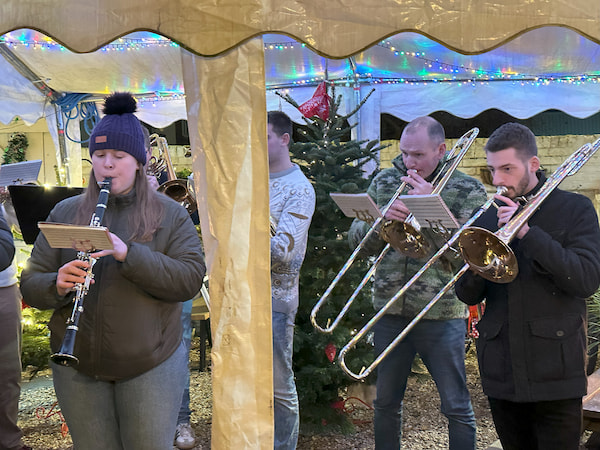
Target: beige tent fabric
{"x": 226, "y": 100}
{"x": 227, "y": 123}
{"x": 335, "y": 28}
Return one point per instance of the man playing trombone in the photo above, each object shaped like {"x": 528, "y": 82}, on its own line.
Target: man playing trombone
{"x": 439, "y": 339}
{"x": 532, "y": 344}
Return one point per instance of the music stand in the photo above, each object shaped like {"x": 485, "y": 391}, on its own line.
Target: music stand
{"x": 360, "y": 206}
{"x": 84, "y": 238}
{"x": 20, "y": 173}
{"x": 33, "y": 203}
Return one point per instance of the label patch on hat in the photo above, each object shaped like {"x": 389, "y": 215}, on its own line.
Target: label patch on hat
{"x": 100, "y": 139}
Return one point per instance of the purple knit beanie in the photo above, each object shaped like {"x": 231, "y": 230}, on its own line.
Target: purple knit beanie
{"x": 119, "y": 129}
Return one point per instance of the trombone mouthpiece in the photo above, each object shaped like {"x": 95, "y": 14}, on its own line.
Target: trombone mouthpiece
{"x": 500, "y": 190}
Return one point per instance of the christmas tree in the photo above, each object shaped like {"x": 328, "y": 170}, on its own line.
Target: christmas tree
{"x": 333, "y": 163}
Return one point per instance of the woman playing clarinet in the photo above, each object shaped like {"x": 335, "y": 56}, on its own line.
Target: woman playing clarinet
{"x": 122, "y": 389}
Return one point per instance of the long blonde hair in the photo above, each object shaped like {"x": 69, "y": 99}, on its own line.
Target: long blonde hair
{"x": 147, "y": 212}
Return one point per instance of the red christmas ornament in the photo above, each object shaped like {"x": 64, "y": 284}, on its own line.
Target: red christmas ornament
{"x": 330, "y": 351}
{"x": 473, "y": 320}
{"x": 339, "y": 405}
{"x": 317, "y": 105}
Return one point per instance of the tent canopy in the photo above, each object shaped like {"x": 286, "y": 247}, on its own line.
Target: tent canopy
{"x": 338, "y": 28}
{"x": 548, "y": 67}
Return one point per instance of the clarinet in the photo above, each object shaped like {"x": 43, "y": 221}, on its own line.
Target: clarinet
{"x": 65, "y": 356}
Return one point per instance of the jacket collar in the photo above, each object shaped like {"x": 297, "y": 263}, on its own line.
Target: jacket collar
{"x": 541, "y": 180}
{"x": 122, "y": 201}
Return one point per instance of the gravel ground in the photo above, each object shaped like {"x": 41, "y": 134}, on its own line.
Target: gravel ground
{"x": 424, "y": 426}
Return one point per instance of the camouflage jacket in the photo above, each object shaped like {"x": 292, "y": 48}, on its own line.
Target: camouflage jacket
{"x": 463, "y": 194}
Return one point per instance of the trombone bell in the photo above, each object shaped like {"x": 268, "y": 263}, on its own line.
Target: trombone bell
{"x": 405, "y": 239}
{"x": 179, "y": 191}
{"x": 488, "y": 255}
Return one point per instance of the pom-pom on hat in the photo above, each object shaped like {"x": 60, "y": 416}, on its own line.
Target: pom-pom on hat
{"x": 119, "y": 129}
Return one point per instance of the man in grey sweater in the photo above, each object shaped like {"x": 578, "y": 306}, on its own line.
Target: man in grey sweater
{"x": 292, "y": 203}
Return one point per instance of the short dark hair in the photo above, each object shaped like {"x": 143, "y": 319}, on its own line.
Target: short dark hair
{"x": 281, "y": 123}
{"x": 435, "y": 130}
{"x": 513, "y": 135}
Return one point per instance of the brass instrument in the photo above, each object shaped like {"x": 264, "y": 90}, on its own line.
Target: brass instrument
{"x": 488, "y": 253}
{"x": 405, "y": 237}
{"x": 402, "y": 236}
{"x": 365, "y": 372}
{"x": 176, "y": 188}
{"x": 485, "y": 252}
{"x": 65, "y": 356}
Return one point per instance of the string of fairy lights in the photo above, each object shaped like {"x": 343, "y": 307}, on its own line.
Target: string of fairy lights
{"x": 120, "y": 45}
{"x": 433, "y": 71}
{"x": 469, "y": 76}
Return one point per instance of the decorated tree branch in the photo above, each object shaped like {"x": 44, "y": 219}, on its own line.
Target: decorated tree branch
{"x": 333, "y": 163}
{"x": 15, "y": 151}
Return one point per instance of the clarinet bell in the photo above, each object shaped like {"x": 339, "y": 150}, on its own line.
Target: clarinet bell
{"x": 64, "y": 359}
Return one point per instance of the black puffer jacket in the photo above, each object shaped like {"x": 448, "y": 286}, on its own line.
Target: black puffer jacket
{"x": 132, "y": 314}
{"x": 532, "y": 344}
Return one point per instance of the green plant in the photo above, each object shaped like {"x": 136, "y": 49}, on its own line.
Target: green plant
{"x": 183, "y": 173}
{"x": 593, "y": 306}
{"x": 35, "y": 351}
{"x": 15, "y": 151}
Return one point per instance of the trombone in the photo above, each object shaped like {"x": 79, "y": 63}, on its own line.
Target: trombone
{"x": 488, "y": 253}
{"x": 176, "y": 188}
{"x": 405, "y": 236}
{"x": 492, "y": 259}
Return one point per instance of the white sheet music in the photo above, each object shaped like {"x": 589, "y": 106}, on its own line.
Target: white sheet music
{"x": 79, "y": 237}
{"x": 20, "y": 173}
{"x": 360, "y": 206}
{"x": 430, "y": 211}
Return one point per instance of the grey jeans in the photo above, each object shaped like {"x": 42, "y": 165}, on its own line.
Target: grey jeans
{"x": 10, "y": 366}
{"x": 139, "y": 413}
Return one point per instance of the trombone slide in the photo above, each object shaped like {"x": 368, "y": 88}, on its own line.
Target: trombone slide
{"x": 369, "y": 325}
{"x": 496, "y": 262}
{"x": 404, "y": 237}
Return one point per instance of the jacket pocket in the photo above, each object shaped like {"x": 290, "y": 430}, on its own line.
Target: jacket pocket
{"x": 492, "y": 351}
{"x": 557, "y": 347}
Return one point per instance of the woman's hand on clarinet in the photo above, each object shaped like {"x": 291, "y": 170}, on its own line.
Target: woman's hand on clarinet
{"x": 69, "y": 275}
{"x": 119, "y": 250}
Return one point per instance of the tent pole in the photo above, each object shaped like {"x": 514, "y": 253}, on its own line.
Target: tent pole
{"x": 64, "y": 174}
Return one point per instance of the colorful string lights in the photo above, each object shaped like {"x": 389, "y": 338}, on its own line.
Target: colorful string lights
{"x": 431, "y": 70}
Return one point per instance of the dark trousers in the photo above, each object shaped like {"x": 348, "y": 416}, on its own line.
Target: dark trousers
{"x": 549, "y": 425}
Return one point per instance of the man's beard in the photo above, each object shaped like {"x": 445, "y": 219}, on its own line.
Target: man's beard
{"x": 521, "y": 187}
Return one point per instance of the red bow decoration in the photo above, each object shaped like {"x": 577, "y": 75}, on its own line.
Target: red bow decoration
{"x": 330, "y": 351}
{"x": 318, "y": 104}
